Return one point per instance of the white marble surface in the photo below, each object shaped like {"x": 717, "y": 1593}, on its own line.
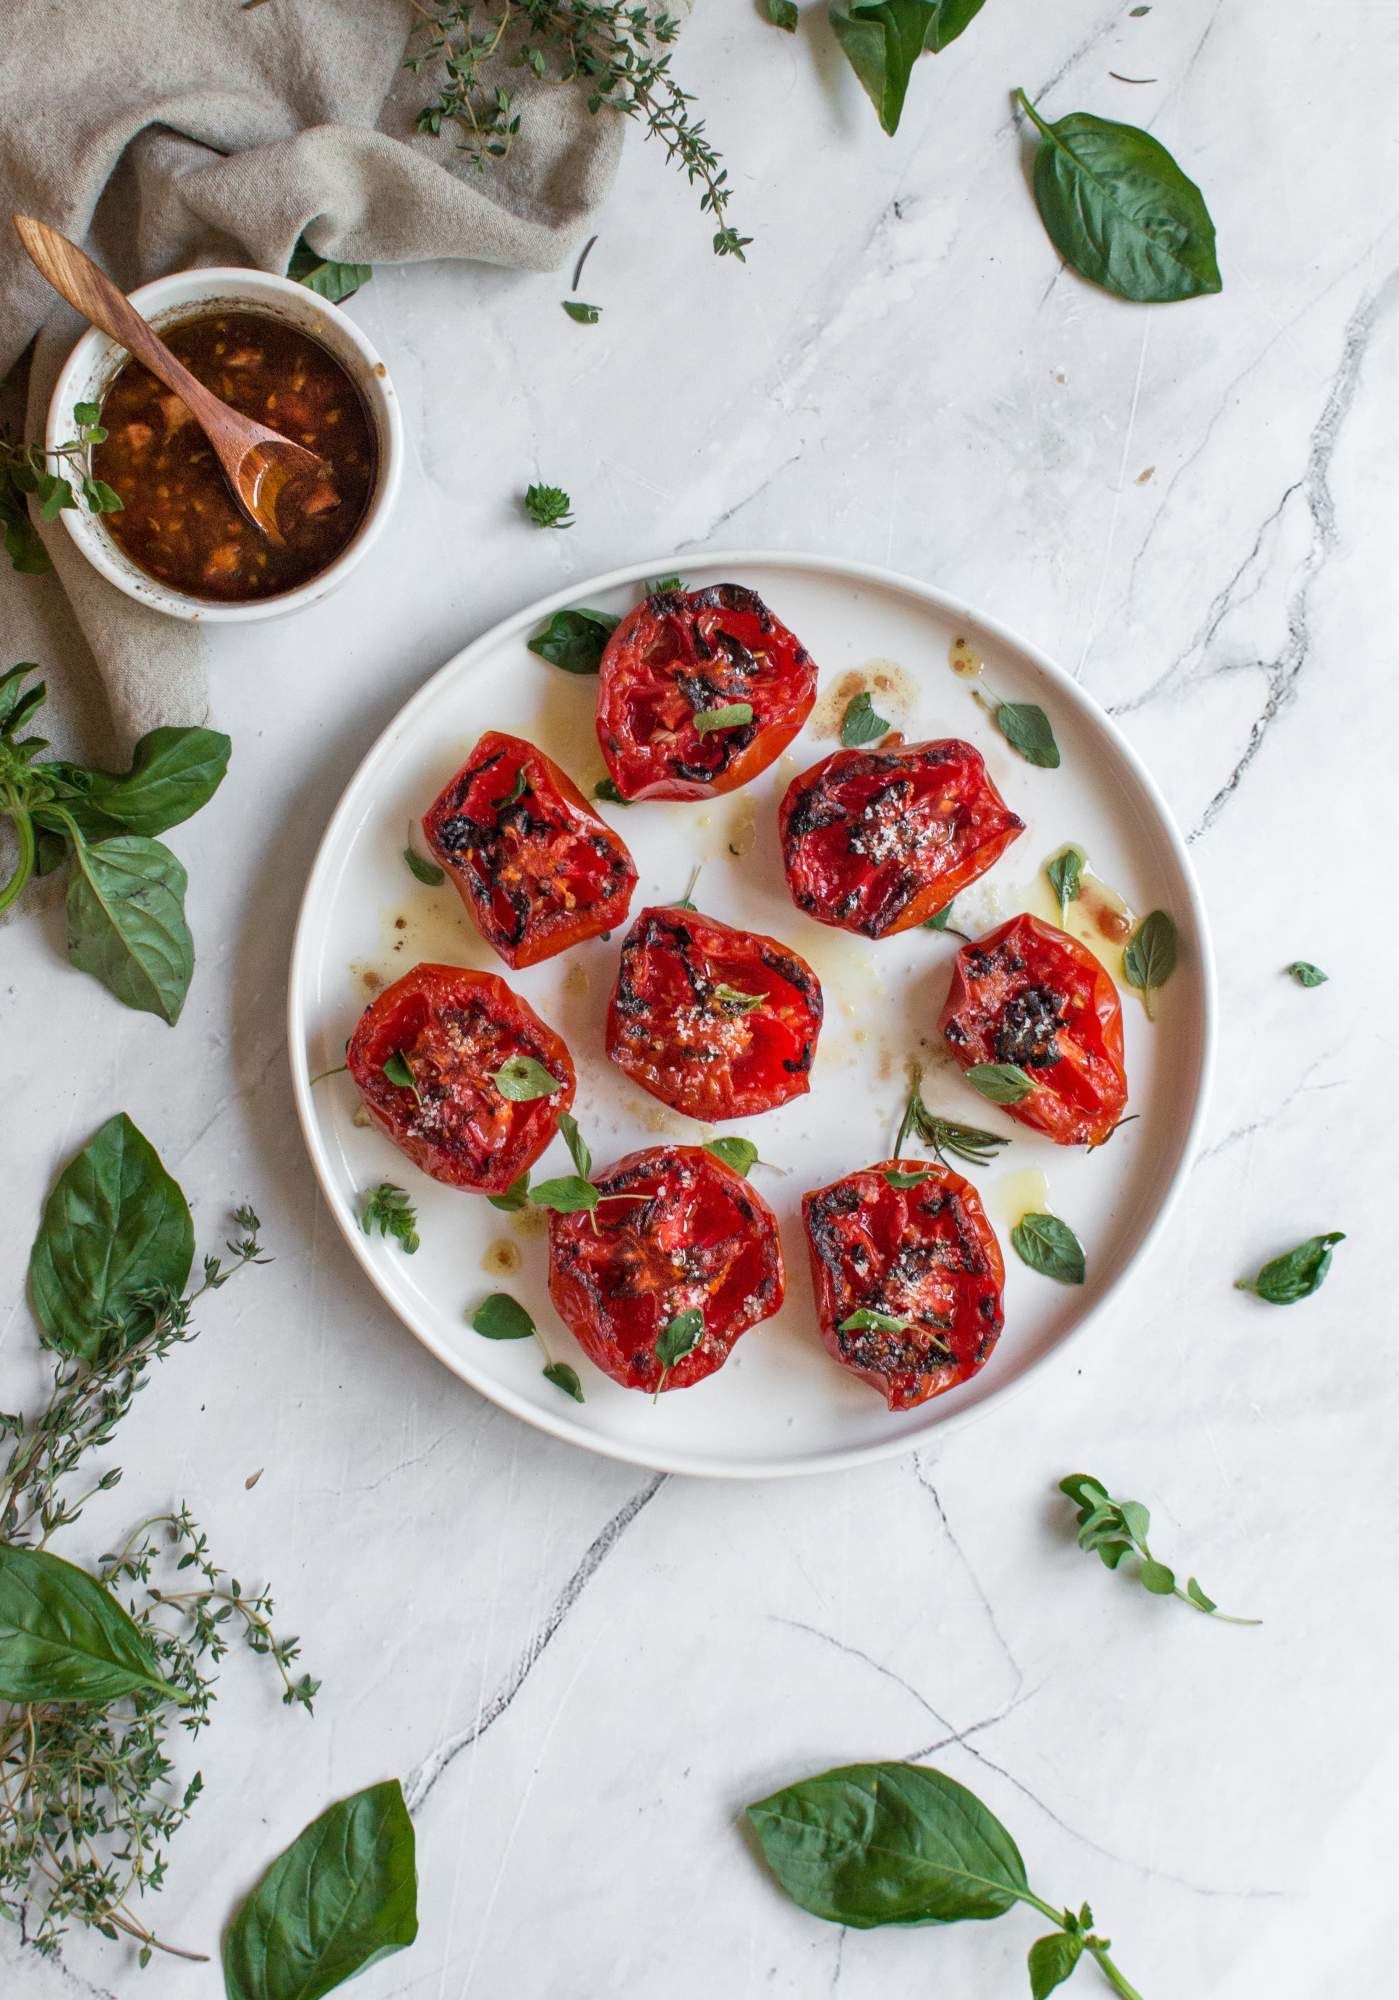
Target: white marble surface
{"x": 582, "y": 1671}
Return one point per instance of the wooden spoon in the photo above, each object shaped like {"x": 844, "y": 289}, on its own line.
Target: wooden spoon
{"x": 257, "y": 462}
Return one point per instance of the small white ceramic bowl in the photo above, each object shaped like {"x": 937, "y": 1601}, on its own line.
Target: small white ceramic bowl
{"x": 88, "y": 373}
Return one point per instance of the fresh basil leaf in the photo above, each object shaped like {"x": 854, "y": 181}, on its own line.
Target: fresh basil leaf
{"x": 426, "y": 872}
{"x": 116, "y": 1228}
{"x": 574, "y": 640}
{"x": 783, "y": 14}
{"x": 515, "y": 1198}
{"x": 680, "y": 1336}
{"x": 64, "y": 1638}
{"x": 577, "y": 1145}
{"x": 585, "y": 315}
{"x": 737, "y": 1001}
{"x": 399, "y": 1071}
{"x": 861, "y": 724}
{"x": 1305, "y": 974}
{"x": 732, "y": 715}
{"x": 1048, "y": 1245}
{"x": 565, "y": 1378}
{"x": 1120, "y": 211}
{"x": 882, "y": 39}
{"x": 173, "y": 773}
{"x": 343, "y": 1896}
{"x": 888, "y": 1844}
{"x": 1001, "y": 1083}
{"x": 740, "y": 1154}
{"x": 500, "y": 1317}
{"x": 522, "y": 1079}
{"x": 1296, "y": 1275}
{"x": 868, "y": 1320}
{"x": 1065, "y": 874}
{"x": 1150, "y": 957}
{"x": 126, "y": 922}
{"x": 1052, "y": 1960}
{"x": 898, "y": 1179}
{"x": 606, "y": 789}
{"x": 1026, "y": 728}
{"x": 570, "y": 1194}
{"x": 326, "y": 276}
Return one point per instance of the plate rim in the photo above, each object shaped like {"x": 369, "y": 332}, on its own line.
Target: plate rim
{"x": 562, "y": 1425}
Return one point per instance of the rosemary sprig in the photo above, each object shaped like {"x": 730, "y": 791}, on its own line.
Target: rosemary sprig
{"x": 619, "y": 55}
{"x": 944, "y": 1135}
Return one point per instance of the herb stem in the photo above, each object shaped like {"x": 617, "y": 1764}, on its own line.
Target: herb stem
{"x": 24, "y": 866}
{"x": 1110, "y": 1972}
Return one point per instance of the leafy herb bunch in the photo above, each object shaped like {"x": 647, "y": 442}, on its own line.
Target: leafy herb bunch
{"x": 27, "y": 470}
{"x": 126, "y": 917}
{"x": 618, "y": 55}
{"x": 97, "y": 1667}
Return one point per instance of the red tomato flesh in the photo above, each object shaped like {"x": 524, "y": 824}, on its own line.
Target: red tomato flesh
{"x": 1030, "y": 994}
{"x": 699, "y": 1236}
{"x": 683, "y": 653}
{"x": 534, "y": 864}
{"x": 454, "y": 1028}
{"x": 875, "y": 841}
{"x": 926, "y": 1255}
{"x": 683, "y": 1023}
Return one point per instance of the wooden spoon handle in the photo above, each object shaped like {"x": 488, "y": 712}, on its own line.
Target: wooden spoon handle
{"x": 79, "y": 280}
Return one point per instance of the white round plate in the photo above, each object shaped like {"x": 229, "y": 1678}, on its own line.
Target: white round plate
{"x": 781, "y": 1404}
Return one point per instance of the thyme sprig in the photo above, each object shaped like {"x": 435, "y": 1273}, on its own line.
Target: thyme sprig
{"x": 88, "y": 1797}
{"x": 618, "y": 55}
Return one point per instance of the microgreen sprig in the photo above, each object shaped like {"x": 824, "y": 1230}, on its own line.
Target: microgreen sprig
{"x": 548, "y": 506}
{"x": 1115, "y": 1529}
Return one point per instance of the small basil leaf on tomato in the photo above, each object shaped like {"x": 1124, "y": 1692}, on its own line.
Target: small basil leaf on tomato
{"x": 516, "y": 791}
{"x": 577, "y": 1145}
{"x": 897, "y": 1179}
{"x": 735, "y": 1000}
{"x": 740, "y": 1154}
{"x": 570, "y": 1194}
{"x": 731, "y": 716}
{"x": 1150, "y": 957}
{"x": 866, "y": 1320}
{"x": 1026, "y": 728}
{"x": 1305, "y": 974}
{"x": 515, "y": 1198}
{"x": 522, "y": 1079}
{"x": 584, "y": 314}
{"x": 565, "y": 1378}
{"x": 426, "y": 872}
{"x": 499, "y": 1317}
{"x": 679, "y": 1337}
{"x": 1065, "y": 874}
{"x": 1296, "y": 1275}
{"x": 1120, "y": 211}
{"x": 1001, "y": 1083}
{"x": 606, "y": 789}
{"x": 1049, "y": 1246}
{"x": 574, "y": 640}
{"x": 861, "y": 724}
{"x": 399, "y": 1071}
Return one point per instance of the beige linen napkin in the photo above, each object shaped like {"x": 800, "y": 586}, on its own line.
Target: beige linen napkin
{"x": 164, "y": 133}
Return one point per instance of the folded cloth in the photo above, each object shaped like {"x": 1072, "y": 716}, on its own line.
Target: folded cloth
{"x": 164, "y": 133}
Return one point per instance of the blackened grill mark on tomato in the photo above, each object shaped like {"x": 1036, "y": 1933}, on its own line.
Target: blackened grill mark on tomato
{"x": 1028, "y": 1026}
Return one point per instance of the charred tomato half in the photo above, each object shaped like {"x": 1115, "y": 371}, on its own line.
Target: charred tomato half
{"x": 716, "y": 1022}
{"x": 426, "y": 1056}
{"x": 534, "y": 864}
{"x": 676, "y": 1231}
{"x": 908, "y": 1277}
{"x": 875, "y": 841}
{"x": 1029, "y": 994}
{"x": 673, "y": 670}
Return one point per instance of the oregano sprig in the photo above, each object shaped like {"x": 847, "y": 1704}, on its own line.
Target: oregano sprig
{"x": 55, "y": 480}
{"x": 1114, "y": 1529}
{"x": 501, "y": 1317}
